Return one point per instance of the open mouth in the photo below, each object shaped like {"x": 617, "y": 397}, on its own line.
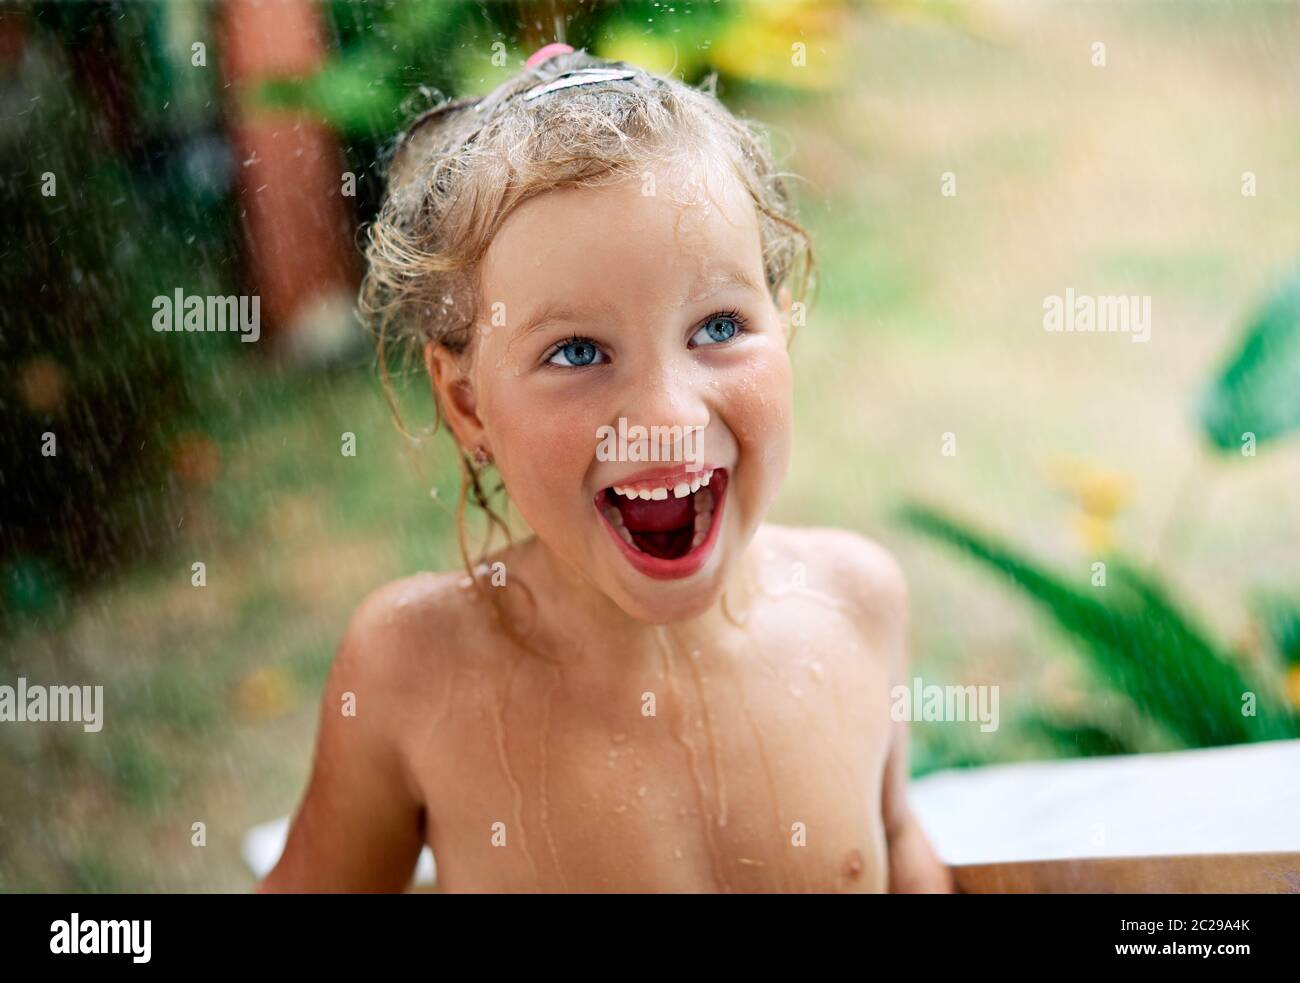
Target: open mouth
{"x": 666, "y": 525}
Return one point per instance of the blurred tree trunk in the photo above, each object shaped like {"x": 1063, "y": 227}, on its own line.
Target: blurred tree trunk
{"x": 544, "y": 21}
{"x": 298, "y": 228}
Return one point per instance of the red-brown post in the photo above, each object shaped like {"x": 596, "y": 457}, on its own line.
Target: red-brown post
{"x": 297, "y": 225}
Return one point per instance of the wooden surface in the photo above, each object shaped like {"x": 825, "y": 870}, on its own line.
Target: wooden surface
{"x": 1216, "y": 819}
{"x": 1241, "y": 873}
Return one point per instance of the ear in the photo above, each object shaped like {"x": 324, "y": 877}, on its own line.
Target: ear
{"x": 455, "y": 394}
{"x": 784, "y": 303}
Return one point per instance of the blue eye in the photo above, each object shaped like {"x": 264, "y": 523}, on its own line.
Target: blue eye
{"x": 719, "y": 328}
{"x": 576, "y": 353}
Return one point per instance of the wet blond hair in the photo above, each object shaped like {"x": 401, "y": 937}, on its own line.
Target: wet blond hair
{"x": 464, "y": 166}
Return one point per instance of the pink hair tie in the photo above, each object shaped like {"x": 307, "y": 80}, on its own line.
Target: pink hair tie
{"x": 547, "y": 51}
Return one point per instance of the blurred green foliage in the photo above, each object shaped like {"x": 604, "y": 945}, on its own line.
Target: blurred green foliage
{"x": 1281, "y": 617}
{"x": 389, "y": 57}
{"x": 1139, "y": 643}
{"x": 1258, "y": 391}
{"x": 1135, "y": 636}
{"x": 109, "y": 201}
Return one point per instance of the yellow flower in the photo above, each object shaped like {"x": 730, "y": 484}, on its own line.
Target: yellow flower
{"x": 1293, "y": 686}
{"x": 1103, "y": 493}
{"x": 1100, "y": 496}
{"x": 648, "y": 51}
{"x": 794, "y": 43}
{"x": 264, "y": 693}
{"x": 1099, "y": 492}
{"x": 1095, "y": 533}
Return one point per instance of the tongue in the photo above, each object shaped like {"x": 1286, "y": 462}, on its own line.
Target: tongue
{"x": 665, "y": 545}
{"x": 640, "y": 515}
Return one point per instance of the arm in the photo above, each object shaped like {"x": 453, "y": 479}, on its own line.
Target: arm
{"x": 880, "y": 591}
{"x": 359, "y": 825}
{"x": 914, "y": 868}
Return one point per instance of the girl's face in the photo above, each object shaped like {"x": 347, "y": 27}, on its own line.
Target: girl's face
{"x": 608, "y": 310}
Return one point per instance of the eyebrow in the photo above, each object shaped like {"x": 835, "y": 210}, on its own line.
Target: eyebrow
{"x": 558, "y": 312}
{"x": 723, "y": 277}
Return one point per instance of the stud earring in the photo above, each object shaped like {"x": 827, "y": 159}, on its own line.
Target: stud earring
{"x": 481, "y": 458}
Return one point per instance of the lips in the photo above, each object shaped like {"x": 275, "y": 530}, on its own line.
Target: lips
{"x": 665, "y": 526}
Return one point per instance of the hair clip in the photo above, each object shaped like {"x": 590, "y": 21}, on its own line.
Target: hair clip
{"x": 482, "y": 108}
{"x": 582, "y": 76}
{"x": 548, "y": 51}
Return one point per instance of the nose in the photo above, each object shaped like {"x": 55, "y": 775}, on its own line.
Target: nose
{"x": 667, "y": 395}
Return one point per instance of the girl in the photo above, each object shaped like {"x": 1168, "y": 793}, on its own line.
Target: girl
{"x": 655, "y": 691}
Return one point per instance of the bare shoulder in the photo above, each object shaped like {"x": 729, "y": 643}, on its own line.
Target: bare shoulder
{"x": 403, "y": 632}
{"x": 359, "y": 827}
{"x": 848, "y": 566}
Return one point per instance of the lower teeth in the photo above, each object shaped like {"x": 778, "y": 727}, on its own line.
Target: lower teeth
{"x": 703, "y": 500}
{"x": 703, "y": 516}
{"x": 702, "y": 522}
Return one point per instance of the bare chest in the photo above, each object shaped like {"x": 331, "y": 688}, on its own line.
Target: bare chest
{"x": 756, "y": 771}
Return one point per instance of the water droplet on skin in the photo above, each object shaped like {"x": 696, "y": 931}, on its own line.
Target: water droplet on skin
{"x": 621, "y": 808}
{"x": 516, "y": 791}
{"x": 738, "y": 620}
{"x": 641, "y": 791}
{"x": 692, "y": 757}
{"x": 618, "y": 738}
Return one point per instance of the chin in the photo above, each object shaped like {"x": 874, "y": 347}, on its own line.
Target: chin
{"x": 659, "y": 604}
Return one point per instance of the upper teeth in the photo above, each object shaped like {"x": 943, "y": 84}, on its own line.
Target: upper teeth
{"x": 680, "y": 490}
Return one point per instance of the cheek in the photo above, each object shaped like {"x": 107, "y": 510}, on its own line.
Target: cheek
{"x": 759, "y": 403}
{"x": 542, "y": 451}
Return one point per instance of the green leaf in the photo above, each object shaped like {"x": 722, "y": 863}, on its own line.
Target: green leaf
{"x": 1075, "y": 739}
{"x": 1281, "y": 617}
{"x": 353, "y": 94}
{"x": 1137, "y": 640}
{"x": 1259, "y": 390}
